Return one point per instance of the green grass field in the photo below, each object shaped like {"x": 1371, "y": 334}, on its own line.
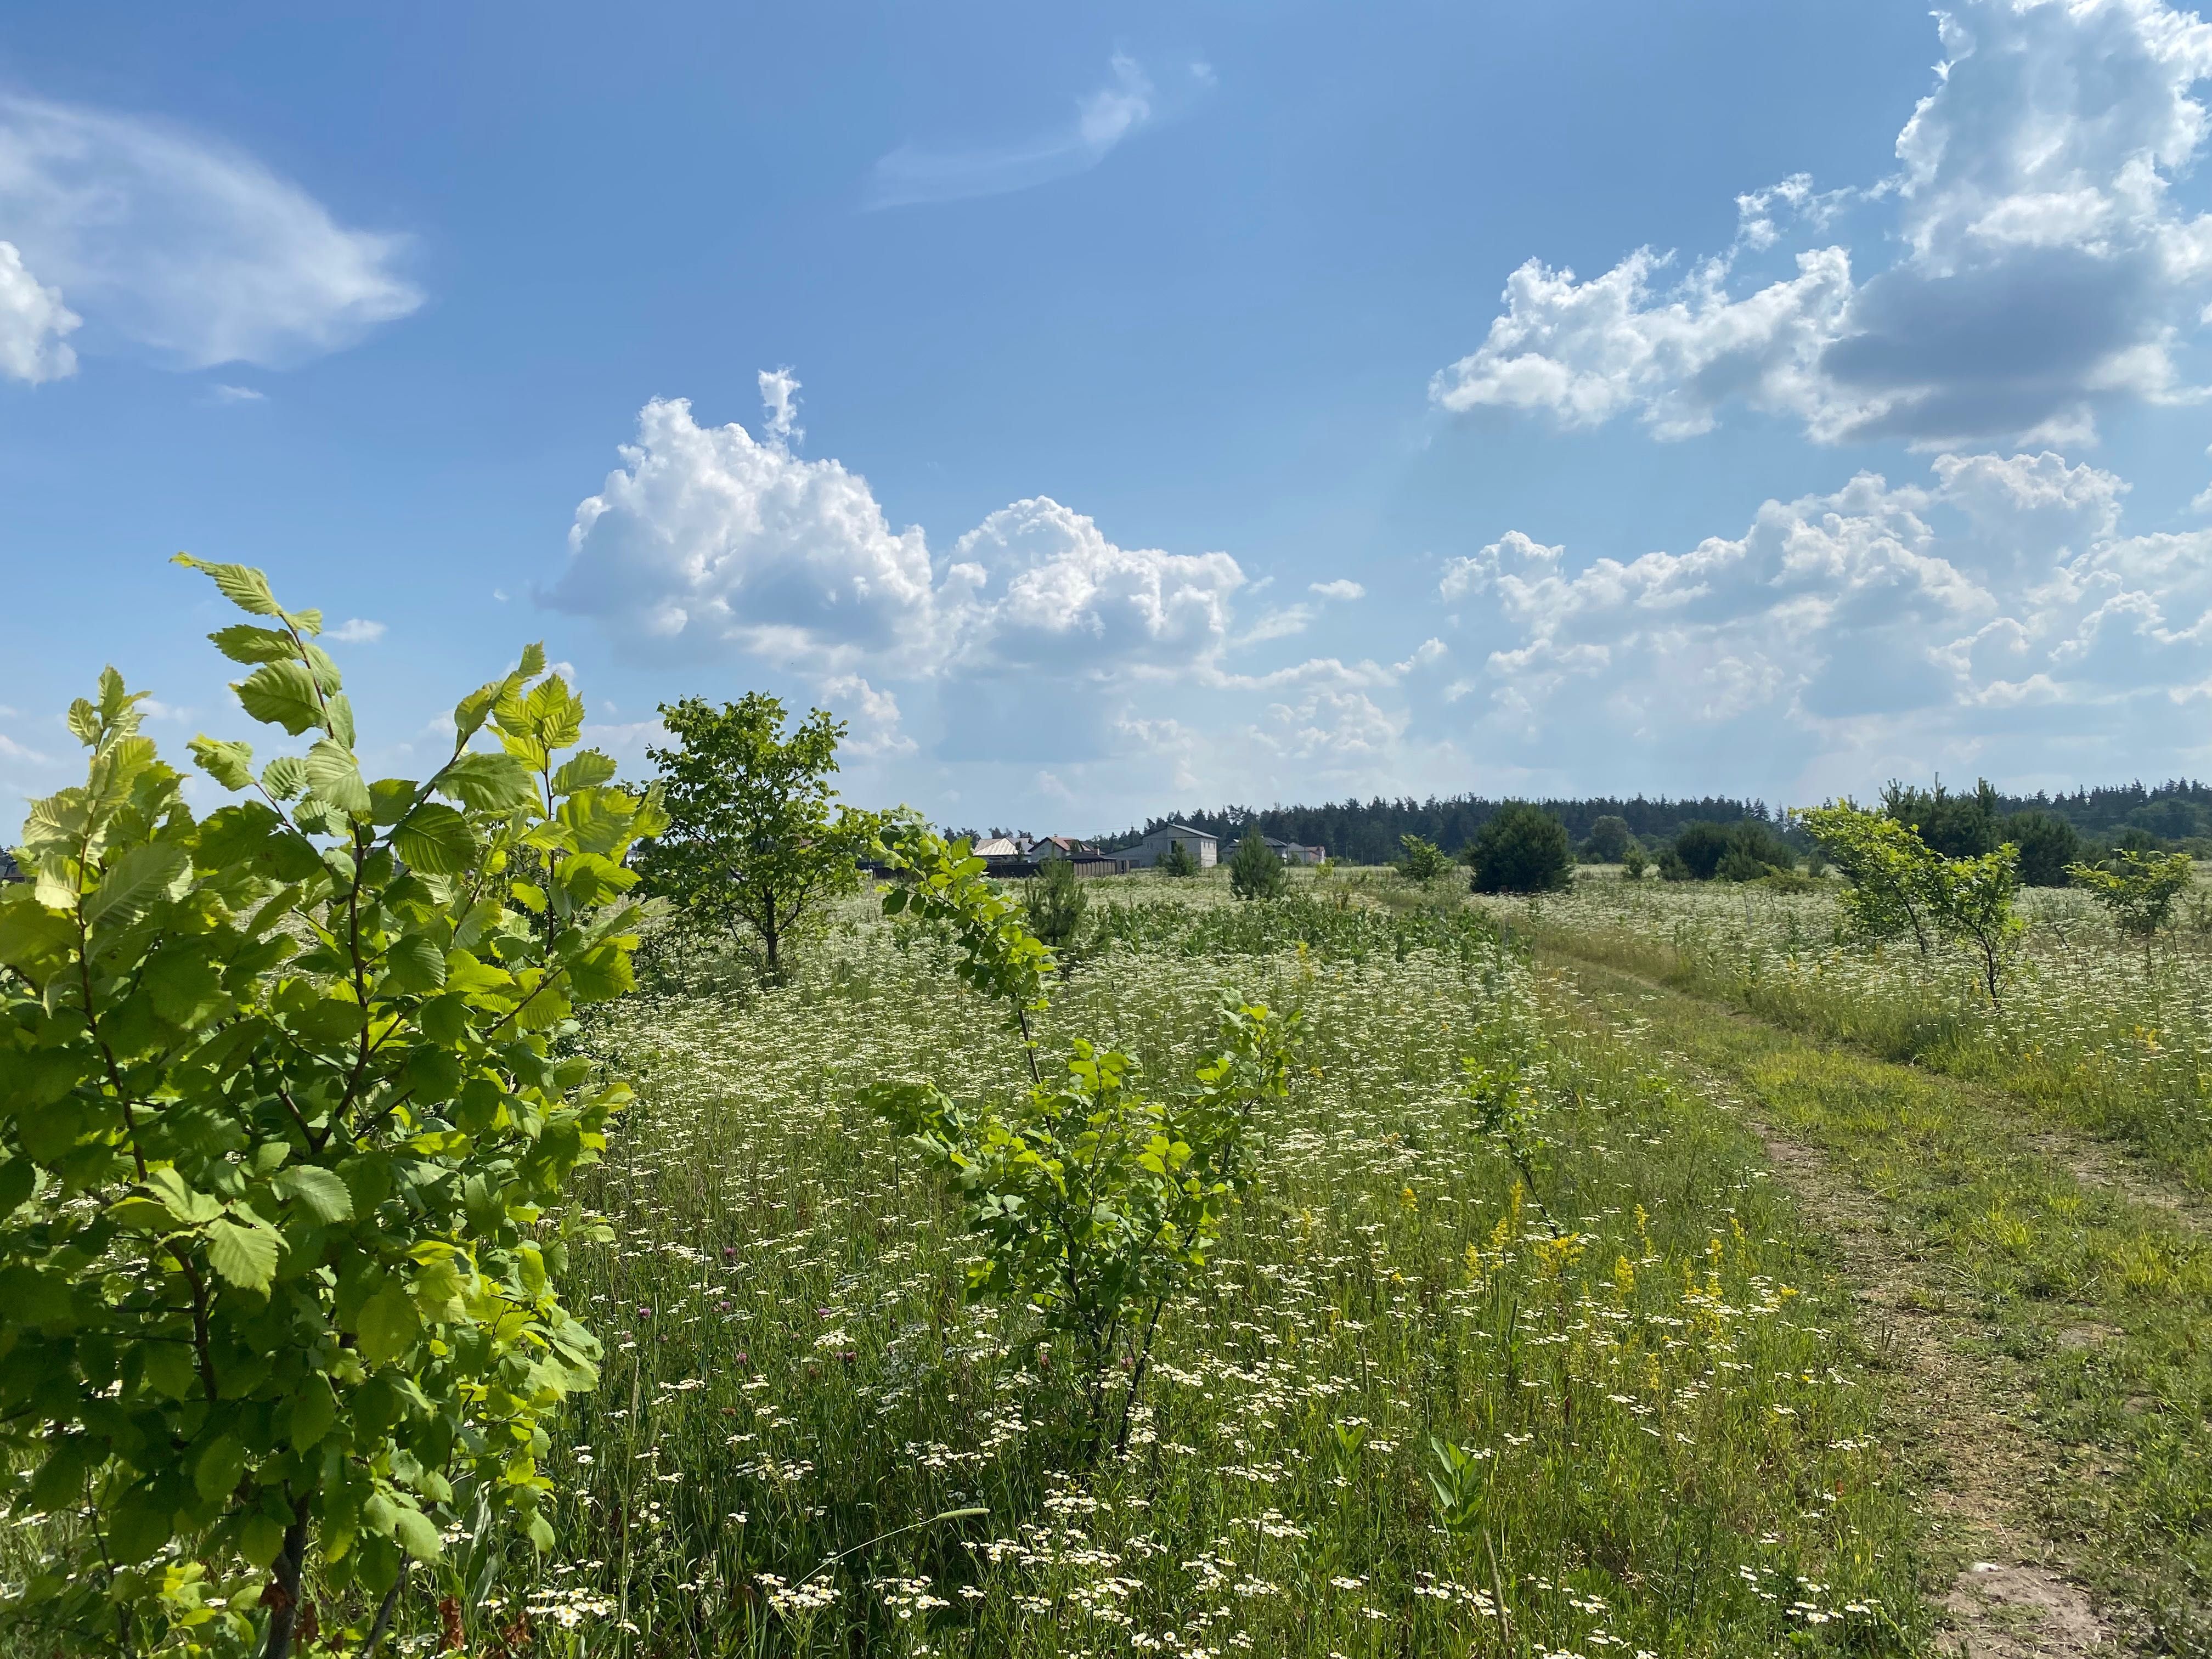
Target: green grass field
{"x": 1813, "y": 1289}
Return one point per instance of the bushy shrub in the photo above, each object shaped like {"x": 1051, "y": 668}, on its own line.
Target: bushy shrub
{"x": 1255, "y": 869}
{"x": 1523, "y": 849}
{"x": 1633, "y": 863}
{"x": 1609, "y": 840}
{"x": 2047, "y": 845}
{"x": 1178, "y": 861}
{"x": 1737, "y": 852}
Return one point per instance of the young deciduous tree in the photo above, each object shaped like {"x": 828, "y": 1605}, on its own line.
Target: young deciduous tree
{"x": 1422, "y": 861}
{"x": 1973, "y": 903}
{"x": 1091, "y": 1196}
{"x": 1255, "y": 869}
{"x": 756, "y": 846}
{"x": 1887, "y": 866}
{"x": 284, "y": 1148}
{"x": 2137, "y": 891}
{"x": 1899, "y": 886}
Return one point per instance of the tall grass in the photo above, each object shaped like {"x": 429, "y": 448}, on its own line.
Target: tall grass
{"x": 2090, "y": 1029}
{"x": 1666, "y": 1444}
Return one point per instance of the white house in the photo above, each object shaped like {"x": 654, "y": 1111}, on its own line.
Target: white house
{"x": 1150, "y": 851}
{"x": 1291, "y": 852}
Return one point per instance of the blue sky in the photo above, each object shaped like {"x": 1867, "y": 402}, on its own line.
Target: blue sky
{"x": 1109, "y": 410}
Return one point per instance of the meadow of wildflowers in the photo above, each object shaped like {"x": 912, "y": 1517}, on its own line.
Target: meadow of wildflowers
{"x": 2091, "y": 1029}
{"x": 1425, "y": 1399}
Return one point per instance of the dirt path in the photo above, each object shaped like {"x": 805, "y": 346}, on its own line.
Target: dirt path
{"x": 2093, "y": 1163}
{"x": 1954, "y": 1403}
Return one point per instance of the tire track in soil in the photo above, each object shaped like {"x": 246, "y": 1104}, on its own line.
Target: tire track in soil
{"x": 2017, "y": 1597}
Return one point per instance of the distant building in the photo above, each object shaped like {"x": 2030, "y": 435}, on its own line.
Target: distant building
{"x": 1086, "y": 859}
{"x": 1147, "y": 852}
{"x": 997, "y": 849}
{"x": 1291, "y": 852}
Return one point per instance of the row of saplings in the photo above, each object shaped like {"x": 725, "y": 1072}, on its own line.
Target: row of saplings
{"x": 1897, "y": 887}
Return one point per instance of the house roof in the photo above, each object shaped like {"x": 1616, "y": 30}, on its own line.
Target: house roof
{"x": 1183, "y": 829}
{"x": 997, "y": 846}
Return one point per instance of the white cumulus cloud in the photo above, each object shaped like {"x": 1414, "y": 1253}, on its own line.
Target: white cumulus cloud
{"x": 1993, "y": 617}
{"x": 711, "y": 542}
{"x": 32, "y": 324}
{"x": 2043, "y": 269}
{"x": 357, "y": 630}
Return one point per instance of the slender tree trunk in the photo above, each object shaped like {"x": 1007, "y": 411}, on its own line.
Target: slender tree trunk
{"x": 284, "y": 1612}
{"x": 385, "y": 1610}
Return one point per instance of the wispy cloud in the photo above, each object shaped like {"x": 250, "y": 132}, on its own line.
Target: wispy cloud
{"x": 357, "y": 630}
{"x": 178, "y": 243}
{"x": 222, "y": 393}
{"x": 1340, "y": 589}
{"x": 1128, "y": 102}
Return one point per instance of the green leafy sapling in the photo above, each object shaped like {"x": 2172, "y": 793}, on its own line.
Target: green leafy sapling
{"x": 1422, "y": 861}
{"x": 1092, "y": 1197}
{"x": 2137, "y": 891}
{"x": 285, "y": 1142}
{"x": 1889, "y": 870}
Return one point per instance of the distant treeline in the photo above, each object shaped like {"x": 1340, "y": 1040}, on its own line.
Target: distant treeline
{"x": 1368, "y": 832}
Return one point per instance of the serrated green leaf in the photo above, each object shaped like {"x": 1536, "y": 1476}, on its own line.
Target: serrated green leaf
{"x": 136, "y": 1526}
{"x": 587, "y": 770}
{"x": 435, "y": 839}
{"x": 245, "y": 1255}
{"x": 390, "y": 800}
{"x": 314, "y": 1408}
{"x": 135, "y": 883}
{"x": 230, "y": 764}
{"x": 260, "y": 1538}
{"x": 241, "y": 584}
{"x": 282, "y": 694}
{"x": 417, "y": 1533}
{"x": 487, "y": 783}
{"x": 189, "y": 1208}
{"x": 319, "y": 1192}
{"x": 218, "y": 1468}
{"x": 533, "y": 661}
{"x": 415, "y": 964}
{"x": 285, "y": 777}
{"x": 334, "y": 779}
{"x": 387, "y": 1324}
{"x": 244, "y": 642}
{"x": 437, "y": 1290}
{"x": 341, "y": 716}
